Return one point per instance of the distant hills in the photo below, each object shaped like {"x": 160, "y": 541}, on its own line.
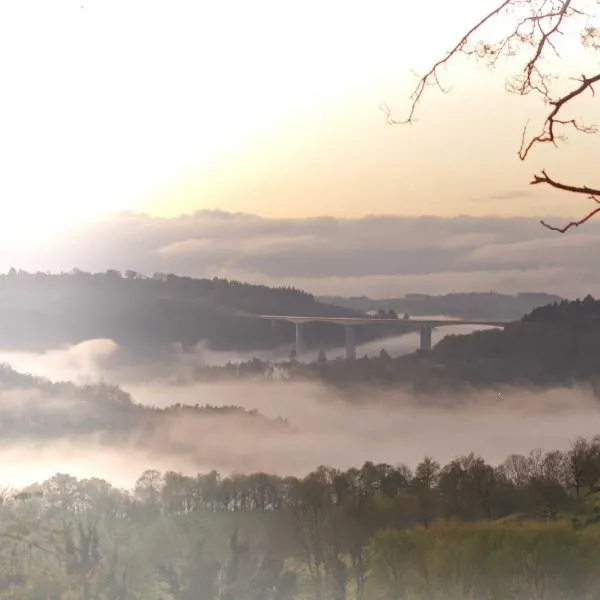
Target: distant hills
{"x": 556, "y": 345}
{"x": 553, "y": 346}
{"x": 34, "y": 409}
{"x": 149, "y": 316}
{"x": 474, "y": 305}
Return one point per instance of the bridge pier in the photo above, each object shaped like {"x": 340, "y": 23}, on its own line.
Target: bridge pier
{"x": 299, "y": 339}
{"x": 426, "y": 326}
{"x": 350, "y": 343}
{"x": 426, "y": 337}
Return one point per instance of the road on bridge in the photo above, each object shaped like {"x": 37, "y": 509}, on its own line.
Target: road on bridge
{"x": 425, "y": 325}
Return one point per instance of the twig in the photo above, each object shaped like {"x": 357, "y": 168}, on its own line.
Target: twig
{"x": 592, "y": 193}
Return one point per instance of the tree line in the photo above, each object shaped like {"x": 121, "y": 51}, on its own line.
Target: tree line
{"x": 527, "y": 528}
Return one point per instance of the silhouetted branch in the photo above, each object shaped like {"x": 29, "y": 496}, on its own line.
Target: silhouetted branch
{"x": 571, "y": 224}
{"x": 431, "y": 77}
{"x": 538, "y": 24}
{"x": 548, "y": 133}
{"x": 593, "y": 194}
{"x": 545, "y": 178}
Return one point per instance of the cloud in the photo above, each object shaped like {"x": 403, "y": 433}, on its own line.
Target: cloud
{"x": 505, "y": 195}
{"x": 379, "y": 255}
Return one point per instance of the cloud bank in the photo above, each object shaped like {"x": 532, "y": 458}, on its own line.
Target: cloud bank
{"x": 387, "y": 427}
{"x": 380, "y": 256}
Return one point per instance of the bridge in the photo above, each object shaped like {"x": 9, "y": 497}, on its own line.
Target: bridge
{"x": 426, "y": 326}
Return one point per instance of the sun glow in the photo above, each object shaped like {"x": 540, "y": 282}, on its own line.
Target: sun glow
{"x": 170, "y": 107}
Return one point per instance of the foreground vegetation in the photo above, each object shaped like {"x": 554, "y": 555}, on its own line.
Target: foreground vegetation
{"x": 525, "y": 529}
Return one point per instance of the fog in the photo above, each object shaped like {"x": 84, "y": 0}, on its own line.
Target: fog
{"x": 87, "y": 362}
{"x": 30, "y": 462}
{"x": 82, "y": 363}
{"x": 322, "y": 427}
{"x": 394, "y": 346}
{"x": 389, "y": 427}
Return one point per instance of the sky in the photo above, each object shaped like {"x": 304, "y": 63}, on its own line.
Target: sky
{"x": 382, "y": 256}
{"x": 264, "y": 107}
{"x": 246, "y": 140}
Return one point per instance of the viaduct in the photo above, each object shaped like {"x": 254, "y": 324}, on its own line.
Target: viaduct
{"x": 425, "y": 326}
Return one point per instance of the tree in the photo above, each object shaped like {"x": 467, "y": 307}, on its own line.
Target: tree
{"x": 311, "y": 511}
{"x": 424, "y": 485}
{"x": 534, "y": 28}
{"x": 148, "y": 491}
{"x": 83, "y": 559}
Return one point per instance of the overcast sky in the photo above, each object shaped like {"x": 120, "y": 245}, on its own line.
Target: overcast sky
{"x": 381, "y": 256}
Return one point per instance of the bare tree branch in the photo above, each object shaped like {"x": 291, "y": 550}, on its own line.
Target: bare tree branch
{"x": 575, "y": 189}
{"x": 593, "y": 194}
{"x": 548, "y": 133}
{"x": 571, "y": 224}
{"x": 538, "y": 25}
{"x": 432, "y": 74}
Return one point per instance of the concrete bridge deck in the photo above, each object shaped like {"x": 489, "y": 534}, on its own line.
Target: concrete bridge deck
{"x": 424, "y": 325}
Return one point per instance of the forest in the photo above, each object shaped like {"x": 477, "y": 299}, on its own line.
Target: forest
{"x": 553, "y": 345}
{"x": 35, "y": 408}
{"x": 148, "y": 316}
{"x": 527, "y": 528}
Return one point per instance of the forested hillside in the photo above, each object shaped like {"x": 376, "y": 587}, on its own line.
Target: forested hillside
{"x": 557, "y": 344}
{"x": 37, "y": 409}
{"x": 554, "y": 345}
{"x": 150, "y": 314}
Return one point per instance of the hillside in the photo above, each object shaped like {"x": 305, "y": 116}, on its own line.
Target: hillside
{"x": 554, "y": 345}
{"x": 475, "y": 305}
{"x": 41, "y": 410}
{"x": 148, "y": 315}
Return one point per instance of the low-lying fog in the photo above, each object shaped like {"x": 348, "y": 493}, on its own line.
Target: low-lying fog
{"x": 388, "y": 427}
{"x": 83, "y": 362}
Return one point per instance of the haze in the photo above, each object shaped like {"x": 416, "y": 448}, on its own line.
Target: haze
{"x": 237, "y": 296}
{"x": 267, "y": 108}
{"x": 390, "y": 427}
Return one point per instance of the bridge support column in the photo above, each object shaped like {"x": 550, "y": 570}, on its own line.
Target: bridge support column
{"x": 426, "y": 337}
{"x": 299, "y": 339}
{"x": 350, "y": 343}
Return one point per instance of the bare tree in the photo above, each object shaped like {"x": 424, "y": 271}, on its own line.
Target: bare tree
{"x": 534, "y": 28}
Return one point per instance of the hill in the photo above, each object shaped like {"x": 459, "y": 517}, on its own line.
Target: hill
{"x": 149, "y": 315}
{"x": 475, "y": 305}
{"x": 37, "y": 409}
{"x": 554, "y": 345}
